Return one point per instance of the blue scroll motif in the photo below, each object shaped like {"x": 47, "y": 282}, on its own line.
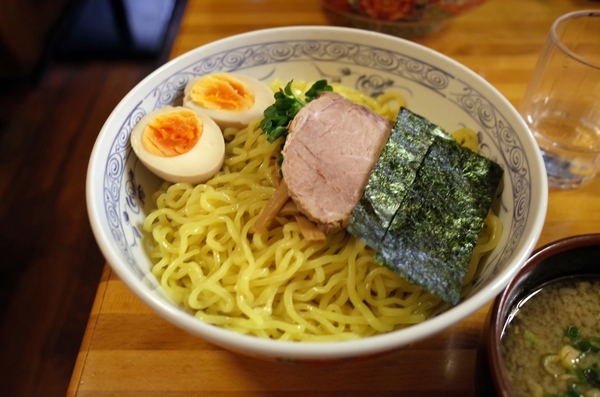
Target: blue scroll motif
{"x": 388, "y": 68}
{"x": 506, "y": 140}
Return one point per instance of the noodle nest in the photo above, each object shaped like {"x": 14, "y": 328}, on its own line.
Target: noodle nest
{"x": 275, "y": 284}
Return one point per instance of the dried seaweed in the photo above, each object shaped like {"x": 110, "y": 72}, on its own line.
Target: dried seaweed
{"x": 394, "y": 173}
{"x": 425, "y": 223}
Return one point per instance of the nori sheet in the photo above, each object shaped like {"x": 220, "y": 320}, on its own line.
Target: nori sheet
{"x": 393, "y": 174}
{"x": 437, "y": 215}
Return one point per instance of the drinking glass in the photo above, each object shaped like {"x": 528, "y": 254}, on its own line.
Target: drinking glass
{"x": 561, "y": 104}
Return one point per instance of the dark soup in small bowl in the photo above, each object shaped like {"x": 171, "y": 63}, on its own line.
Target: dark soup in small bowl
{"x": 542, "y": 337}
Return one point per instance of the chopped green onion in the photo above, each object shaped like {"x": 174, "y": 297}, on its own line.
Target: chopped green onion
{"x": 530, "y": 337}
{"x": 592, "y": 376}
{"x": 573, "y": 332}
{"x": 595, "y": 343}
{"x": 582, "y": 345}
{"x": 573, "y": 392}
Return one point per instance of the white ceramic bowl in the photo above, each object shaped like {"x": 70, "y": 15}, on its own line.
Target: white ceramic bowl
{"x": 119, "y": 187}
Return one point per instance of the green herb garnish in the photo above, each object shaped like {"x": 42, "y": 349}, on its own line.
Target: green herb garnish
{"x": 572, "y": 332}
{"x": 572, "y": 391}
{"x": 592, "y": 376}
{"x": 583, "y": 346}
{"x": 286, "y": 106}
{"x": 595, "y": 343}
{"x": 530, "y": 337}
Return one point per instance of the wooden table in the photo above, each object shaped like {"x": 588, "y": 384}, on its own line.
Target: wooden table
{"x": 128, "y": 350}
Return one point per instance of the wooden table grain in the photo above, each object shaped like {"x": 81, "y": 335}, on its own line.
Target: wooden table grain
{"x": 130, "y": 351}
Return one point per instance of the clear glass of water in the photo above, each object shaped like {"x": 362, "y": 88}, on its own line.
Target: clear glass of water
{"x": 562, "y": 102}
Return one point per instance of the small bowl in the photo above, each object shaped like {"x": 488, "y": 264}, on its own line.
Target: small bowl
{"x": 119, "y": 187}
{"x": 400, "y": 18}
{"x": 572, "y": 256}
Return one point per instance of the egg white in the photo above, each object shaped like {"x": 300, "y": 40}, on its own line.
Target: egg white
{"x": 198, "y": 165}
{"x": 263, "y": 98}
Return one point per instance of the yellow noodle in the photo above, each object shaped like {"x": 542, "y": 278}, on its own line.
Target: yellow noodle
{"x": 275, "y": 284}
{"x": 488, "y": 240}
{"x": 467, "y": 138}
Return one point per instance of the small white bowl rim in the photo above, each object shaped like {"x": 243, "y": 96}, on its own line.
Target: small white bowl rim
{"x": 311, "y": 350}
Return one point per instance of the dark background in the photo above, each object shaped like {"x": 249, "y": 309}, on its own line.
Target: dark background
{"x": 64, "y": 66}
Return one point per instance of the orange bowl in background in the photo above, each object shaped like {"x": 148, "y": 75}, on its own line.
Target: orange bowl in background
{"x": 402, "y": 18}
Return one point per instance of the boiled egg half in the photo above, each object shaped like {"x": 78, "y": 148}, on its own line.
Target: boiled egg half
{"x": 231, "y": 100}
{"x": 179, "y": 144}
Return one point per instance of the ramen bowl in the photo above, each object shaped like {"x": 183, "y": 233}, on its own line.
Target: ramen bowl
{"x": 119, "y": 187}
{"x": 400, "y": 18}
{"x": 573, "y": 257}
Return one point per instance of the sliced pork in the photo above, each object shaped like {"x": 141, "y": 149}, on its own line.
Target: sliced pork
{"x": 331, "y": 149}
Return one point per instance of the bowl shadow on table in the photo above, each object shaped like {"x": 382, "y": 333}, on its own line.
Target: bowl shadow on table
{"x": 400, "y": 372}
{"x": 379, "y": 376}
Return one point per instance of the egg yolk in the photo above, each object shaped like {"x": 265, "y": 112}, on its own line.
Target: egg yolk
{"x": 172, "y": 134}
{"x": 222, "y": 92}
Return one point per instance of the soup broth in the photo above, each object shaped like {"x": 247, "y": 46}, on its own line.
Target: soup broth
{"x": 551, "y": 343}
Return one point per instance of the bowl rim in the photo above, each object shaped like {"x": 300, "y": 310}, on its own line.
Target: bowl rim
{"x": 321, "y": 350}
{"x": 500, "y": 305}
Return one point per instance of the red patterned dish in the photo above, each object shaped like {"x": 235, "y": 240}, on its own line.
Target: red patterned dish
{"x": 404, "y": 18}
